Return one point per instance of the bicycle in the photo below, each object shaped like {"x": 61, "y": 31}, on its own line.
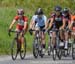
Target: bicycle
{"x": 53, "y": 48}
{"x": 73, "y": 48}
{"x": 16, "y": 46}
{"x": 37, "y": 46}
{"x": 49, "y": 43}
{"x": 65, "y": 52}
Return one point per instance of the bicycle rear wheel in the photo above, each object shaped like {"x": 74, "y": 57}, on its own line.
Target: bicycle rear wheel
{"x": 23, "y": 52}
{"x": 54, "y": 54}
{"x": 14, "y": 49}
{"x": 73, "y": 50}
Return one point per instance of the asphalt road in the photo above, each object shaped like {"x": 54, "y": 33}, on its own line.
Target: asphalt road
{"x": 29, "y": 59}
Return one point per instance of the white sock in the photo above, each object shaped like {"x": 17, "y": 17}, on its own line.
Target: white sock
{"x": 66, "y": 44}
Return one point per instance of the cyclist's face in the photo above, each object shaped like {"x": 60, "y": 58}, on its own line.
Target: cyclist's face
{"x": 66, "y": 14}
{"x": 20, "y": 16}
{"x": 57, "y": 13}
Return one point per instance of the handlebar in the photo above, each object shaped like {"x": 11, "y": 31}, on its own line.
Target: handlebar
{"x": 31, "y": 30}
{"x": 9, "y": 33}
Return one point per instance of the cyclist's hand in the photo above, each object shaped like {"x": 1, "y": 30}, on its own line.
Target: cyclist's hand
{"x": 30, "y": 31}
{"x": 61, "y": 28}
{"x": 9, "y": 32}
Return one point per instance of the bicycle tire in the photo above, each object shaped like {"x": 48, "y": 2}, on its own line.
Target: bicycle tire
{"x": 73, "y": 52}
{"x": 23, "y": 53}
{"x": 49, "y": 48}
{"x": 12, "y": 50}
{"x": 60, "y": 54}
{"x": 35, "y": 50}
{"x": 54, "y": 54}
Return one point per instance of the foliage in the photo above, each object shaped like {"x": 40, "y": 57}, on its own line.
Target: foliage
{"x": 8, "y": 11}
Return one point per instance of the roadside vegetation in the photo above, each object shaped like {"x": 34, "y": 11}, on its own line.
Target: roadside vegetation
{"x": 8, "y": 11}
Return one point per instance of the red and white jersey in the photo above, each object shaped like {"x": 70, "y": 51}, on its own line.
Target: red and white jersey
{"x": 21, "y": 21}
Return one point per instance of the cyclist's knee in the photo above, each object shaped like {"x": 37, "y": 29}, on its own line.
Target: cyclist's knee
{"x": 53, "y": 34}
{"x": 43, "y": 37}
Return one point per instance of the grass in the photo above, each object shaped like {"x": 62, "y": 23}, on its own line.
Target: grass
{"x": 7, "y": 13}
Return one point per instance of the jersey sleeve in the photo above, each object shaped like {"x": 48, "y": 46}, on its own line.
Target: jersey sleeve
{"x": 16, "y": 17}
{"x": 34, "y": 17}
{"x": 26, "y": 19}
{"x": 45, "y": 18}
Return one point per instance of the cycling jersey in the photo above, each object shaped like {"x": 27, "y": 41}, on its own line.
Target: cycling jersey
{"x": 57, "y": 21}
{"x": 34, "y": 17}
{"x": 73, "y": 19}
{"x": 67, "y": 19}
{"x": 40, "y": 22}
{"x": 20, "y": 23}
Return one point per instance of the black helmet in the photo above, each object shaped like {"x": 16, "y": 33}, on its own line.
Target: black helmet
{"x": 65, "y": 10}
{"x": 39, "y": 11}
{"x": 57, "y": 8}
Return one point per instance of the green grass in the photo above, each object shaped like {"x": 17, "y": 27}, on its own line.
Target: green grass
{"x": 8, "y": 11}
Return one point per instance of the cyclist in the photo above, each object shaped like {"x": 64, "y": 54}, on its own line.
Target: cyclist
{"x": 57, "y": 22}
{"x": 22, "y": 24}
{"x": 39, "y": 23}
{"x": 72, "y": 25}
{"x": 67, "y": 16}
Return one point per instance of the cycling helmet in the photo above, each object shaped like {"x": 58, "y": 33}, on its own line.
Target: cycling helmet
{"x": 20, "y": 11}
{"x": 57, "y": 8}
{"x": 65, "y": 10}
{"x": 39, "y": 11}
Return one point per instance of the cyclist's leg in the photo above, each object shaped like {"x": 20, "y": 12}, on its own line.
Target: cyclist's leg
{"x": 69, "y": 36}
{"x": 43, "y": 42}
{"x": 19, "y": 40}
{"x": 43, "y": 39}
{"x": 61, "y": 34}
{"x": 20, "y": 37}
{"x": 22, "y": 41}
{"x": 54, "y": 38}
{"x": 66, "y": 39}
{"x": 73, "y": 34}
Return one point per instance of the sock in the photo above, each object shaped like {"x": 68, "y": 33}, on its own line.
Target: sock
{"x": 66, "y": 43}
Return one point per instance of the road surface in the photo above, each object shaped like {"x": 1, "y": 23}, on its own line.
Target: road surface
{"x": 29, "y": 59}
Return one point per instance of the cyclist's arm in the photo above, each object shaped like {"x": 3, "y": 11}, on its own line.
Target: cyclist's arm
{"x": 70, "y": 24}
{"x": 72, "y": 20}
{"x": 32, "y": 23}
{"x": 45, "y": 19}
{"x": 47, "y": 24}
{"x": 51, "y": 23}
{"x": 11, "y": 25}
{"x": 25, "y": 26}
{"x": 64, "y": 24}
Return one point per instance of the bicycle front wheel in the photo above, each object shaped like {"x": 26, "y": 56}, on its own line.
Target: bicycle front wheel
{"x": 23, "y": 49}
{"x": 14, "y": 49}
{"x": 35, "y": 48}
